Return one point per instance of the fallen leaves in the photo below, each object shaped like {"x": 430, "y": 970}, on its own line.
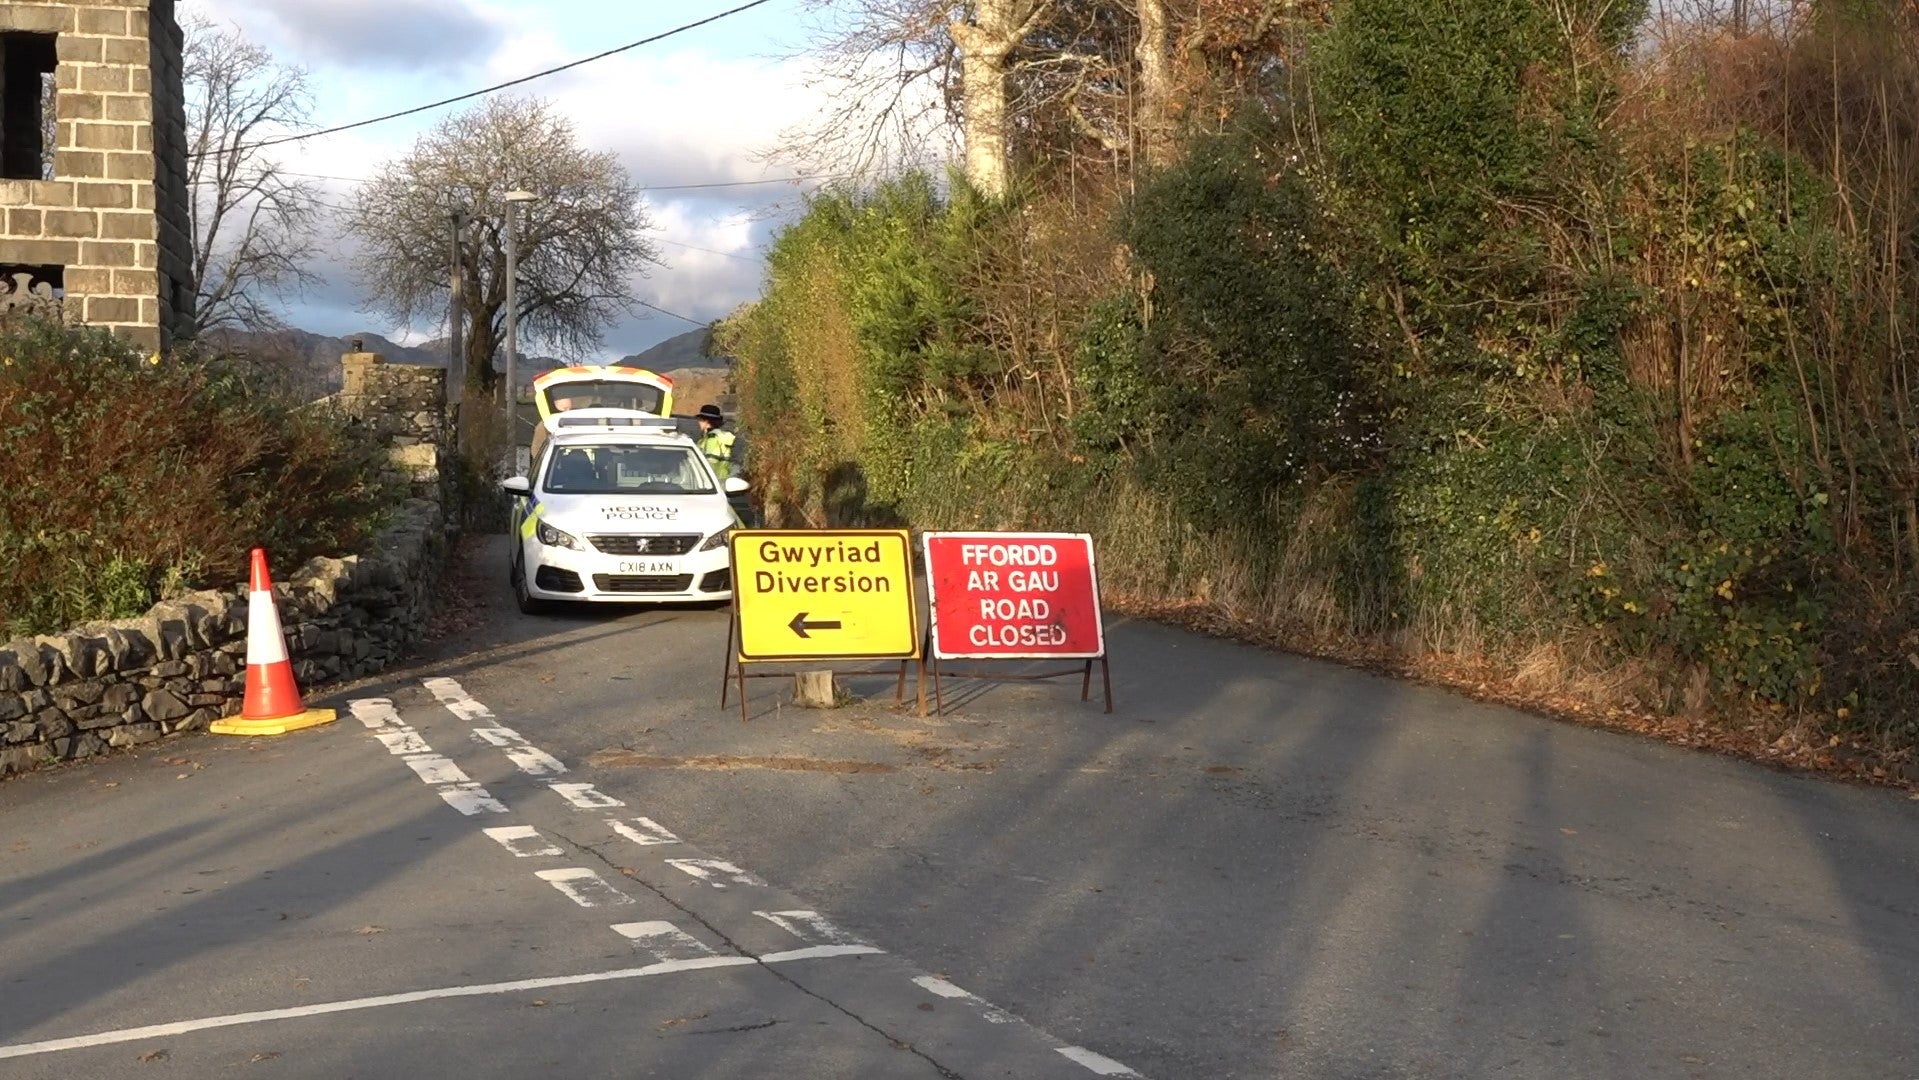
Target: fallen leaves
{"x": 371, "y": 930}
{"x": 265, "y": 1055}
{"x": 154, "y": 1055}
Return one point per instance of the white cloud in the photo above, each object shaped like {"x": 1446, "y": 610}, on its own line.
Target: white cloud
{"x": 676, "y": 116}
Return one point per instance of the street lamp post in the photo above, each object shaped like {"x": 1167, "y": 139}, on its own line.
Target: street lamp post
{"x": 513, "y": 199}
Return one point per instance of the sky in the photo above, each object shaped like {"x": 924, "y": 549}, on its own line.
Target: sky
{"x": 701, "y": 108}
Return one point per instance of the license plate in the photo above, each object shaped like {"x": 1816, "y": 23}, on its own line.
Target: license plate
{"x": 646, "y": 566}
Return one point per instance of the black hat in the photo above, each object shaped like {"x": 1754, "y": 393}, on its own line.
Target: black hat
{"x": 711, "y": 414}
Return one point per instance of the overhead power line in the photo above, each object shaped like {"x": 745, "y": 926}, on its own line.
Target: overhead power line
{"x": 645, "y": 188}
{"x": 710, "y": 251}
{"x": 675, "y": 314}
{"x": 494, "y": 89}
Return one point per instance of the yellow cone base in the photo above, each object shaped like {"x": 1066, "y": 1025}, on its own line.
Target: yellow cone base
{"x": 239, "y": 725}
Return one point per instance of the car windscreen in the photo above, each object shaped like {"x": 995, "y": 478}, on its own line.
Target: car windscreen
{"x": 626, "y": 470}
{"x": 604, "y": 394}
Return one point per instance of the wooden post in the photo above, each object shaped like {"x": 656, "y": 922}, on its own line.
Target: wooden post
{"x": 815, "y": 690}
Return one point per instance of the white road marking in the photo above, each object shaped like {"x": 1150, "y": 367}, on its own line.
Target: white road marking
{"x": 457, "y": 700}
{"x": 1098, "y": 1063}
{"x": 937, "y": 985}
{"x": 664, "y": 940}
{"x": 649, "y": 833}
{"x": 184, "y": 1027}
{"x": 524, "y": 841}
{"x": 403, "y": 740}
{"x": 526, "y": 757}
{"x": 809, "y": 926}
{"x": 993, "y": 1013}
{"x": 436, "y": 769}
{"x": 712, "y": 870}
{"x": 812, "y": 952}
{"x": 533, "y": 761}
{"x": 471, "y": 799}
{"x": 374, "y": 712}
{"x": 583, "y": 887}
{"x": 584, "y": 797}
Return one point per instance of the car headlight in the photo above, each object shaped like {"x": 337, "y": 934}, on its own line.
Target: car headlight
{"x": 718, "y": 539}
{"x": 553, "y": 537}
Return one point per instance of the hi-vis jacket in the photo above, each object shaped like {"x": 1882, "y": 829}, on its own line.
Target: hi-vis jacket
{"x": 717, "y": 445}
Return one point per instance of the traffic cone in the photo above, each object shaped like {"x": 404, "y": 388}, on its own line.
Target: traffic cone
{"x": 273, "y": 705}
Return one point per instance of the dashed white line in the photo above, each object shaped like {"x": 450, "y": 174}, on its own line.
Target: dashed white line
{"x": 991, "y": 1012}
{"x": 943, "y": 988}
{"x": 403, "y": 740}
{"x": 815, "y": 952}
{"x": 715, "y": 872}
{"x": 809, "y": 926}
{"x": 374, "y": 712}
{"x": 471, "y": 799}
{"x": 523, "y": 841}
{"x": 664, "y": 940}
{"x": 1100, "y": 1064}
{"x": 436, "y": 769}
{"x": 457, "y": 700}
{"x": 583, "y": 887}
{"x": 533, "y": 761}
{"x": 648, "y": 834}
{"x": 584, "y": 796}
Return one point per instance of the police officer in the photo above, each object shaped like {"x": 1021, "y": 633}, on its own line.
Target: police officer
{"x": 715, "y": 442}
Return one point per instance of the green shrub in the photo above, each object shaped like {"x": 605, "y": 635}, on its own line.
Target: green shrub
{"x": 126, "y": 477}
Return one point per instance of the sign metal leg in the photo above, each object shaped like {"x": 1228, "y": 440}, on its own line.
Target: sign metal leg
{"x": 1106, "y": 676}
{"x": 1086, "y": 682}
{"x": 726, "y": 661}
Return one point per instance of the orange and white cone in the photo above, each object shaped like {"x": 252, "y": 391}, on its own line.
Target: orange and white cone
{"x": 273, "y": 705}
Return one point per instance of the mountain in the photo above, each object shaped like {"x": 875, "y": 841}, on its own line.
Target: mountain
{"x": 688, "y": 350}
{"x": 310, "y": 362}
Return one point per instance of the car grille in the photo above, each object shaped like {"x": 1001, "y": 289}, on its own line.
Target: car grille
{"x": 642, "y": 583}
{"x": 717, "y": 581}
{"x": 553, "y": 579}
{"x": 644, "y": 545}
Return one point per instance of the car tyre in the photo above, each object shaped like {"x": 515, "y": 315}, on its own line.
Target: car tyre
{"x": 528, "y": 603}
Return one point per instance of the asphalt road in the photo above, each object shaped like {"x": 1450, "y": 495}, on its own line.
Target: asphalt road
{"x": 1259, "y": 866}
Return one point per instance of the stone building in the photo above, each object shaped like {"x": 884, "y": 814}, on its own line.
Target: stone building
{"x": 93, "y": 165}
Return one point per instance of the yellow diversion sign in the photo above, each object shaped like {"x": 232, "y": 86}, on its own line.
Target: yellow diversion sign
{"x": 843, "y": 594}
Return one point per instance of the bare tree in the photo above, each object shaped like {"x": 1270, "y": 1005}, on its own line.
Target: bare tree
{"x": 1017, "y": 79}
{"x": 896, "y": 63}
{"x": 252, "y": 222}
{"x": 580, "y": 245}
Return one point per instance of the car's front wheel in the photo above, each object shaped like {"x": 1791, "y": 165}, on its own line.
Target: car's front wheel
{"x": 528, "y": 603}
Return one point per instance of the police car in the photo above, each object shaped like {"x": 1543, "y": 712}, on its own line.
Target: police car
{"x": 620, "y": 506}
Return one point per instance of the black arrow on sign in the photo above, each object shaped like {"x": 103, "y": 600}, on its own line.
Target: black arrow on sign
{"x": 801, "y": 626}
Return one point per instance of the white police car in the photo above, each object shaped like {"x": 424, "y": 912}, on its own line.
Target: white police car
{"x": 621, "y": 506}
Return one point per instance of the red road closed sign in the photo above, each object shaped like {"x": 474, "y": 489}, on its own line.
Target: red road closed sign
{"x": 1014, "y": 596}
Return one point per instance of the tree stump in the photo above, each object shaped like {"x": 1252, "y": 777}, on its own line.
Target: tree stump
{"x": 815, "y": 690}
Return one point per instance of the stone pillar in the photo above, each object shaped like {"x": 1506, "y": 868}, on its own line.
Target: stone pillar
{"x": 405, "y": 406}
